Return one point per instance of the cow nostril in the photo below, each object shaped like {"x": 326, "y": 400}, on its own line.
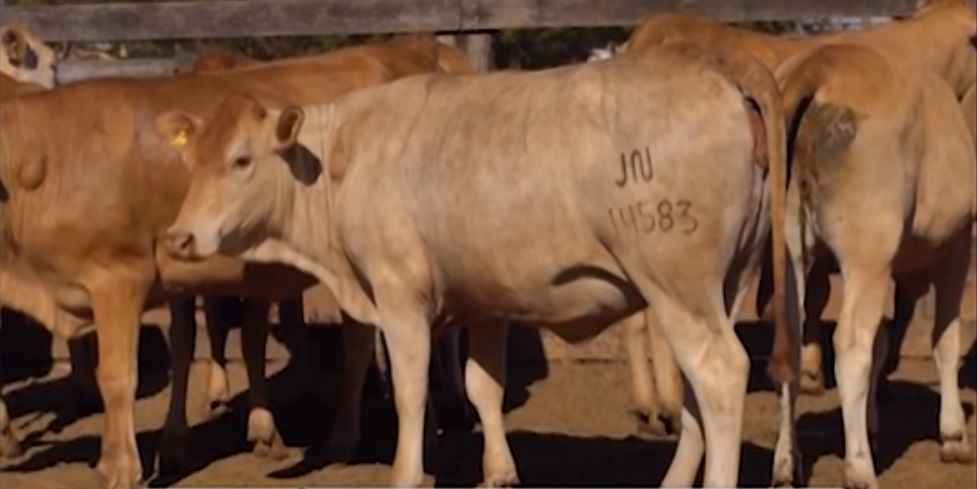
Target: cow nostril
{"x": 180, "y": 243}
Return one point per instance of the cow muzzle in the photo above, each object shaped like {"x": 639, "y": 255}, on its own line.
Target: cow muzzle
{"x": 181, "y": 244}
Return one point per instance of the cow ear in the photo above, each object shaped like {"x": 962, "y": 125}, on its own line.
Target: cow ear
{"x": 176, "y": 127}
{"x": 14, "y": 45}
{"x": 288, "y": 126}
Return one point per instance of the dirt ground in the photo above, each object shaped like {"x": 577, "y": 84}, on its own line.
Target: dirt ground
{"x": 569, "y": 428}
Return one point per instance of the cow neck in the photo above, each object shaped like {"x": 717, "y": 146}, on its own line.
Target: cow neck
{"x": 310, "y": 240}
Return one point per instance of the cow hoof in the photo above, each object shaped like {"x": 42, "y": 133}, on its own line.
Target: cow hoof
{"x": 956, "y": 450}
{"x": 218, "y": 392}
{"x": 9, "y": 444}
{"x": 456, "y": 417}
{"x": 812, "y": 384}
{"x": 654, "y": 426}
{"x": 787, "y": 472}
{"x": 172, "y": 456}
{"x": 262, "y": 432}
{"x": 503, "y": 479}
{"x": 859, "y": 479}
{"x": 120, "y": 474}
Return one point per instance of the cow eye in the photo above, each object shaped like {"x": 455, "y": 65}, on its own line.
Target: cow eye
{"x": 242, "y": 162}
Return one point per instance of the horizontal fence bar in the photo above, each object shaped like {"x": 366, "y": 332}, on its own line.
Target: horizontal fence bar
{"x": 253, "y": 18}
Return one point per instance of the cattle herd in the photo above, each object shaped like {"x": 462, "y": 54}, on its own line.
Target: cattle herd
{"x": 647, "y": 188}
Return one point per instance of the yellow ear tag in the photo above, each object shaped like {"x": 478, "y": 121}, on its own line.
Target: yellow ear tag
{"x": 180, "y": 140}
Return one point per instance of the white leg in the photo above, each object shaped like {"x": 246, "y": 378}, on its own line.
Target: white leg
{"x": 485, "y": 373}
{"x": 408, "y": 338}
{"x": 949, "y": 284}
{"x": 864, "y": 301}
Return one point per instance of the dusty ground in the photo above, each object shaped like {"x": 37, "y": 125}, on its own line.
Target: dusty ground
{"x": 570, "y": 428}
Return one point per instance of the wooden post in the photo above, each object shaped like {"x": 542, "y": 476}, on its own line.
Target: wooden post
{"x": 478, "y": 48}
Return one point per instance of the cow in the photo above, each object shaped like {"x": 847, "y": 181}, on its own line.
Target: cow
{"x": 93, "y": 250}
{"x": 773, "y": 52}
{"x": 215, "y": 59}
{"x": 567, "y": 198}
{"x": 447, "y": 364}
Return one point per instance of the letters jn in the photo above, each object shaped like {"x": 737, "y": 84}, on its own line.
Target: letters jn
{"x": 637, "y": 165}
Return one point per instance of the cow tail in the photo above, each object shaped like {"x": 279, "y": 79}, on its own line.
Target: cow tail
{"x": 763, "y": 95}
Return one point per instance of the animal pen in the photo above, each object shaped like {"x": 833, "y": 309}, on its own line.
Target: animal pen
{"x": 470, "y": 25}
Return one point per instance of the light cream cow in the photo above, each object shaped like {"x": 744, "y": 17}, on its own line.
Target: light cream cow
{"x": 542, "y": 197}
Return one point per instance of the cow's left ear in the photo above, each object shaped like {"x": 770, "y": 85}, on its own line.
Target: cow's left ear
{"x": 176, "y": 127}
{"x": 287, "y": 127}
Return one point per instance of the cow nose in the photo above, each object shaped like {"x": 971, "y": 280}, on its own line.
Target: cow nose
{"x": 179, "y": 243}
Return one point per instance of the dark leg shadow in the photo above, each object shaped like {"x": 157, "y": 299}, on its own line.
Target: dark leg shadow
{"x": 897, "y": 432}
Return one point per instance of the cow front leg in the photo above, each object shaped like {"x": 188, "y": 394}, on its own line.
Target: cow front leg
{"x": 408, "y": 337}
{"x": 261, "y": 423}
{"x": 291, "y": 318}
{"x": 485, "y": 376}
{"x": 183, "y": 335}
{"x": 117, "y": 300}
{"x": 949, "y": 284}
{"x": 358, "y": 345}
{"x": 220, "y": 315}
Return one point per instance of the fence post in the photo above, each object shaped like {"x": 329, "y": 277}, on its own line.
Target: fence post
{"x": 478, "y": 48}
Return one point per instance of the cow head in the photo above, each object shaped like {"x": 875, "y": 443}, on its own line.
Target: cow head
{"x": 956, "y": 21}
{"x": 24, "y": 56}
{"x": 244, "y": 161}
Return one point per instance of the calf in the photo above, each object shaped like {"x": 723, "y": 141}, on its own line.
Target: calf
{"x": 567, "y": 198}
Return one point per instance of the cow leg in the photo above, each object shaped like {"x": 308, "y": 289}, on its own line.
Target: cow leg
{"x": 408, "y": 338}
{"x": 949, "y": 284}
{"x": 456, "y": 413}
{"x": 817, "y": 293}
{"x": 485, "y": 377}
{"x": 716, "y": 368}
{"x": 864, "y": 301}
{"x": 9, "y": 443}
{"x": 646, "y": 406}
{"x": 358, "y": 345}
{"x": 219, "y": 319}
{"x": 291, "y": 316}
{"x": 254, "y": 339}
{"x": 668, "y": 378}
{"x": 117, "y": 301}
{"x": 644, "y": 401}
{"x": 183, "y": 335}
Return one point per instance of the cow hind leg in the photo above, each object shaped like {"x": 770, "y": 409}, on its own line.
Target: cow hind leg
{"x": 485, "y": 375}
{"x": 9, "y": 443}
{"x": 644, "y": 400}
{"x": 117, "y": 300}
{"x": 864, "y": 300}
{"x": 261, "y": 423}
{"x": 668, "y": 378}
{"x": 176, "y": 431}
{"x": 816, "y": 295}
{"x": 949, "y": 283}
{"x": 716, "y": 368}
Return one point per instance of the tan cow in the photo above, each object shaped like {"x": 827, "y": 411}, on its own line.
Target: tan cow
{"x": 938, "y": 40}
{"x": 107, "y": 270}
{"x": 545, "y": 197}
{"x": 447, "y": 357}
{"x": 773, "y": 51}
